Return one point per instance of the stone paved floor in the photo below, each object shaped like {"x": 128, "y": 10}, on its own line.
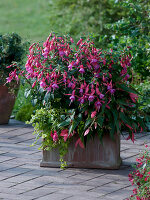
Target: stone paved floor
{"x": 21, "y": 178}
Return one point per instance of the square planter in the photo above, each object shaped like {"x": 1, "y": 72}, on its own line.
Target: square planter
{"x": 95, "y": 155}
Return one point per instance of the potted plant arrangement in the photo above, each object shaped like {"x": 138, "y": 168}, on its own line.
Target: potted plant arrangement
{"x": 85, "y": 97}
{"x": 11, "y": 51}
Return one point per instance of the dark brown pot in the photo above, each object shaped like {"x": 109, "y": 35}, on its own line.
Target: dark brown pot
{"x": 7, "y": 101}
{"x": 95, "y": 155}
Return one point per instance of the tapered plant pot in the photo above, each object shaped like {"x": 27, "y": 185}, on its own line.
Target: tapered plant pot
{"x": 7, "y": 101}
{"x": 95, "y": 155}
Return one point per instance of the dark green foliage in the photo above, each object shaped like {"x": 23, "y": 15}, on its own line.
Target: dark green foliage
{"x": 25, "y": 112}
{"x": 82, "y": 17}
{"x": 11, "y": 50}
{"x": 132, "y": 30}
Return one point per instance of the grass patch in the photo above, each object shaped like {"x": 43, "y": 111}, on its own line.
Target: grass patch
{"x": 30, "y": 19}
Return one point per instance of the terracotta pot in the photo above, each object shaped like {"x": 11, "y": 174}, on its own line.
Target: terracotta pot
{"x": 7, "y": 101}
{"x": 95, "y": 155}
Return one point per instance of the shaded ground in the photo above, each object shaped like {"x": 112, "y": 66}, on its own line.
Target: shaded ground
{"x": 22, "y": 178}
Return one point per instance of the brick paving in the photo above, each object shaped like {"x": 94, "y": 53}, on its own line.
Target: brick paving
{"x": 21, "y": 177}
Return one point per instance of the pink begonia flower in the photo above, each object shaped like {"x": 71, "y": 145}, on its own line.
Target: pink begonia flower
{"x": 64, "y": 133}
{"x": 80, "y": 143}
{"x": 86, "y": 132}
{"x": 93, "y": 114}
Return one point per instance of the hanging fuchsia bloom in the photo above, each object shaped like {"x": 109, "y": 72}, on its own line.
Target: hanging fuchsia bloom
{"x": 55, "y": 136}
{"x": 91, "y": 98}
{"x": 64, "y": 133}
{"x": 42, "y": 84}
{"x": 81, "y": 70}
{"x": 79, "y": 42}
{"x": 98, "y": 105}
{"x": 55, "y": 86}
{"x": 101, "y": 96}
{"x": 33, "y": 85}
{"x": 72, "y": 98}
{"x": 86, "y": 132}
{"x": 71, "y": 40}
{"x": 134, "y": 97}
{"x": 93, "y": 114}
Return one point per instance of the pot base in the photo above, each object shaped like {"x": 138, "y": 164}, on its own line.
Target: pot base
{"x": 95, "y": 155}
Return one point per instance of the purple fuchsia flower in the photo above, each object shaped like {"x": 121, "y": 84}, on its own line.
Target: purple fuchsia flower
{"x": 91, "y": 98}
{"x": 42, "y": 84}
{"x": 72, "y": 98}
{"x": 81, "y": 70}
{"x": 81, "y": 100}
{"x": 101, "y": 96}
{"x": 55, "y": 136}
{"x": 55, "y": 86}
{"x": 112, "y": 91}
{"x": 98, "y": 105}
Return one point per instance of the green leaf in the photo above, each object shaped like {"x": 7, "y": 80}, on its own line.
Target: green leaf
{"x": 126, "y": 88}
{"x": 65, "y": 123}
{"x": 75, "y": 123}
{"x": 88, "y": 122}
{"x": 125, "y": 119}
{"x": 100, "y": 120}
{"x": 112, "y": 130}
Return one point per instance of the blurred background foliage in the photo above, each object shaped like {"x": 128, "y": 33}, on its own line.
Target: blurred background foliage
{"x": 112, "y": 24}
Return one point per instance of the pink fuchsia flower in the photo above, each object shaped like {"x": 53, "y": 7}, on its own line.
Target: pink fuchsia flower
{"x": 81, "y": 70}
{"x": 134, "y": 191}
{"x": 79, "y": 42}
{"x": 9, "y": 79}
{"x": 101, "y": 96}
{"x": 70, "y": 66}
{"x": 42, "y": 84}
{"x": 91, "y": 98}
{"x": 98, "y": 105}
{"x": 55, "y": 86}
{"x": 112, "y": 91}
{"x": 72, "y": 98}
{"x": 86, "y": 132}
{"x": 33, "y": 85}
{"x": 138, "y": 198}
{"x": 55, "y": 136}
{"x": 81, "y": 100}
{"x": 93, "y": 114}
{"x": 134, "y": 97}
{"x": 64, "y": 133}
{"x": 71, "y": 40}
{"x": 61, "y": 53}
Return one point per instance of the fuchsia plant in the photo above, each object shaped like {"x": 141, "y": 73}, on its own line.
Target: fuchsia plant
{"x": 140, "y": 177}
{"x": 94, "y": 84}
